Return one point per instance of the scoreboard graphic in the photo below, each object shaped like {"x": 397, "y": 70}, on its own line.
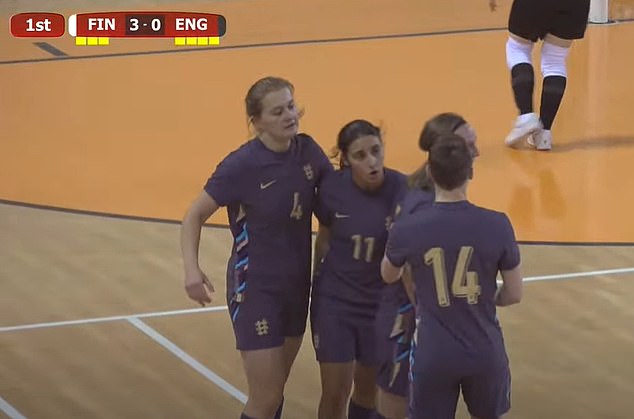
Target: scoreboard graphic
{"x": 96, "y": 29}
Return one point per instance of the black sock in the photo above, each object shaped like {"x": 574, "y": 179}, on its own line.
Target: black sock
{"x": 243, "y": 416}
{"x": 358, "y": 412}
{"x": 523, "y": 82}
{"x": 377, "y": 415}
{"x": 552, "y": 93}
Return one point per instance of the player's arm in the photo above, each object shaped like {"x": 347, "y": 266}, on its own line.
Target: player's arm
{"x": 395, "y": 254}
{"x": 512, "y": 288}
{"x": 509, "y": 266}
{"x": 408, "y": 284}
{"x": 389, "y": 272}
{"x": 322, "y": 246}
{"x": 200, "y": 210}
{"x": 195, "y": 280}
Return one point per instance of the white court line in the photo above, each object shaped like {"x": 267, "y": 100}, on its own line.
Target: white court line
{"x": 186, "y": 358}
{"x": 9, "y": 410}
{"x": 578, "y": 274}
{"x": 111, "y": 318}
{"x": 222, "y": 308}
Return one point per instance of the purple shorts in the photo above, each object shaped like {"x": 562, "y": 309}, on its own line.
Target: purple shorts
{"x": 262, "y": 318}
{"x": 340, "y": 337}
{"x": 394, "y": 330}
{"x": 436, "y": 385}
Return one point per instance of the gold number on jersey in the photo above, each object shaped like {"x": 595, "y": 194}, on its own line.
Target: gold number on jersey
{"x": 464, "y": 283}
{"x": 296, "y": 212}
{"x": 358, "y": 244}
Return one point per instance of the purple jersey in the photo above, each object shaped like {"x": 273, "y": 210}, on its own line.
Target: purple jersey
{"x": 413, "y": 201}
{"x": 358, "y": 220}
{"x": 455, "y": 250}
{"x": 270, "y": 198}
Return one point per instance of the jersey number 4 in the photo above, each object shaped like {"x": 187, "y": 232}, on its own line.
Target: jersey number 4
{"x": 464, "y": 283}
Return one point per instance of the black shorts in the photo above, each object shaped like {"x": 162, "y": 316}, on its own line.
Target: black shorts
{"x": 533, "y": 19}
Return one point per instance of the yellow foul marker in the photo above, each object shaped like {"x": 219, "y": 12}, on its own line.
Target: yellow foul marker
{"x": 85, "y": 40}
{"x": 196, "y": 41}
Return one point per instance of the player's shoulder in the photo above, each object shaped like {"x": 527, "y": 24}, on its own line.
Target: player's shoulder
{"x": 409, "y": 226}
{"x": 396, "y": 183}
{"x": 336, "y": 179}
{"x": 395, "y": 175}
{"x": 305, "y": 139}
{"x": 307, "y": 144}
{"x": 310, "y": 150}
{"x": 490, "y": 215}
{"x": 415, "y": 200}
{"x": 241, "y": 157}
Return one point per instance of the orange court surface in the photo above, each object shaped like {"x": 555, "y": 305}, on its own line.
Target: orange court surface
{"x": 103, "y": 148}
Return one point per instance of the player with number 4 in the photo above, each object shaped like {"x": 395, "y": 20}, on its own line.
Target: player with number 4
{"x": 268, "y": 187}
{"x": 455, "y": 250}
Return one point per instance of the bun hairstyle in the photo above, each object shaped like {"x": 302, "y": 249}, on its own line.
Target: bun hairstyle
{"x": 444, "y": 123}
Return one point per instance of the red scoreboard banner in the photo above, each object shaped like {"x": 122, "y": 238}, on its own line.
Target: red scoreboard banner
{"x": 148, "y": 24}
{"x": 37, "y": 25}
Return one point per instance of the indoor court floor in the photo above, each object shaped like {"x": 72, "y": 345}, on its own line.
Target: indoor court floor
{"x": 103, "y": 148}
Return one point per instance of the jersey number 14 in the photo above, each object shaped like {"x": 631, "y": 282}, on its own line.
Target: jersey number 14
{"x": 464, "y": 284}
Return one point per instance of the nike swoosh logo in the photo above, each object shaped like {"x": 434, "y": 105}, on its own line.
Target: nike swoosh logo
{"x": 337, "y": 215}
{"x": 266, "y": 185}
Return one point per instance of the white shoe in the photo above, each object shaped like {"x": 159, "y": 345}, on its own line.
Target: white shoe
{"x": 542, "y": 140}
{"x": 525, "y": 125}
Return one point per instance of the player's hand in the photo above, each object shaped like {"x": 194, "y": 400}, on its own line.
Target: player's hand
{"x": 493, "y": 4}
{"x": 198, "y": 287}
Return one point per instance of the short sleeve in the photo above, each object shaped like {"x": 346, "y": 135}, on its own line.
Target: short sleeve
{"x": 321, "y": 210}
{"x": 324, "y": 166}
{"x": 396, "y": 249}
{"x": 224, "y": 185}
{"x": 510, "y": 252}
{"x": 399, "y": 195}
{"x": 318, "y": 158}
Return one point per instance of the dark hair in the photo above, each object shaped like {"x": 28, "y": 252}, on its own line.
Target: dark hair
{"x": 261, "y": 88}
{"x": 450, "y": 161}
{"x": 444, "y": 123}
{"x": 348, "y": 134}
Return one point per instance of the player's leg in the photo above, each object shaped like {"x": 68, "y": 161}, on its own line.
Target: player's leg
{"x": 434, "y": 394}
{"x": 257, "y": 323}
{"x": 290, "y": 350}
{"x": 569, "y": 26}
{"x": 554, "y": 54}
{"x": 294, "y": 315}
{"x": 334, "y": 343}
{"x": 336, "y": 382}
{"x": 488, "y": 394}
{"x": 435, "y": 376}
{"x": 362, "y": 402}
{"x": 394, "y": 329}
{"x": 524, "y": 29}
{"x": 390, "y": 405}
{"x": 265, "y": 371}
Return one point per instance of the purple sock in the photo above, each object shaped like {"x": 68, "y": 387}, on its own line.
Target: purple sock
{"x": 358, "y": 412}
{"x": 377, "y": 415}
{"x": 243, "y": 416}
